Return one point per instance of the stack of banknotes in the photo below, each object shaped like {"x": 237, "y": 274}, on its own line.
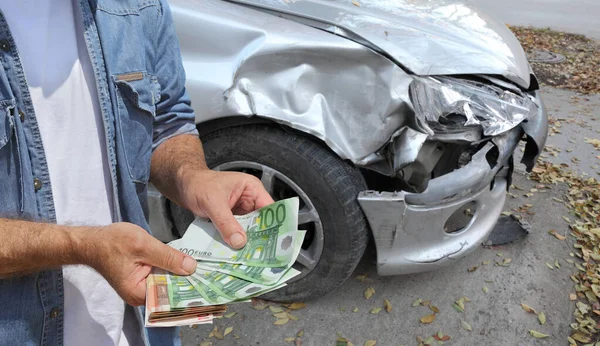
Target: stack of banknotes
{"x": 225, "y": 275}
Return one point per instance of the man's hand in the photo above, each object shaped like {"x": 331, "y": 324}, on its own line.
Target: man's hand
{"x": 124, "y": 255}
{"x": 179, "y": 172}
{"x": 219, "y": 195}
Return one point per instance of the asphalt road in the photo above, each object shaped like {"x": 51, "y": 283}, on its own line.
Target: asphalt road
{"x": 496, "y": 317}
{"x": 576, "y": 16}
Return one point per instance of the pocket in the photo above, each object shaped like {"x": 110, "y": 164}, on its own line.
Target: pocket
{"x": 137, "y": 93}
{"x": 7, "y": 108}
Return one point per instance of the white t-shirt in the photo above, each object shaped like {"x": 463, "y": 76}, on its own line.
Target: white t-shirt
{"x": 49, "y": 37}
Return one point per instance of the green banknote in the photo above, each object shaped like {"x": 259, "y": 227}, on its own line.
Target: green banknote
{"x": 270, "y": 232}
{"x": 233, "y": 288}
{"x": 261, "y": 275}
{"x": 183, "y": 294}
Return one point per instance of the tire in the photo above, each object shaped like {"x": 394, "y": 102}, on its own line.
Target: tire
{"x": 331, "y": 184}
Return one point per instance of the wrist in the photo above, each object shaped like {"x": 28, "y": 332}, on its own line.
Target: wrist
{"x": 86, "y": 245}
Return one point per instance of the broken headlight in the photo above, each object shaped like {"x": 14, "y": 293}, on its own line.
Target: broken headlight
{"x": 447, "y": 105}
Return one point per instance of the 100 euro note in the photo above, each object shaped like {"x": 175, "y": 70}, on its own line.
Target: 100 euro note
{"x": 270, "y": 233}
{"x": 261, "y": 275}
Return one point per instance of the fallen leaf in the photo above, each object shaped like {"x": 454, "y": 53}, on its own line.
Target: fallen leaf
{"x": 427, "y": 319}
{"x": 485, "y": 289}
{"x": 528, "y": 308}
{"x": 370, "y": 342}
{"x": 355, "y": 310}
{"x": 212, "y": 333}
{"x": 486, "y": 262}
{"x": 281, "y": 321}
{"x": 542, "y": 318}
{"x": 507, "y": 260}
{"x": 218, "y": 335}
{"x": 434, "y": 308}
{"x": 275, "y": 308}
{"x": 228, "y": 330}
{"x": 375, "y": 310}
{"x": 557, "y": 235}
{"x": 417, "y": 302}
{"x": 369, "y": 292}
{"x": 260, "y": 307}
{"x": 361, "y": 277}
{"x": 556, "y": 264}
{"x": 290, "y": 339}
{"x": 466, "y": 326}
{"x": 472, "y": 269}
{"x": 538, "y": 335}
{"x": 580, "y": 337}
{"x": 457, "y": 308}
{"x": 446, "y": 338}
{"x": 387, "y": 305}
{"x": 549, "y": 266}
{"x": 300, "y": 333}
{"x": 292, "y": 317}
{"x": 572, "y": 296}
{"x": 206, "y": 343}
{"x": 426, "y": 302}
{"x": 282, "y": 314}
{"x": 296, "y": 306}
{"x": 429, "y": 340}
{"x": 230, "y": 315}
{"x": 355, "y": 3}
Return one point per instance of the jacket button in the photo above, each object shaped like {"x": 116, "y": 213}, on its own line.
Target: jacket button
{"x": 21, "y": 115}
{"x": 4, "y": 45}
{"x": 37, "y": 184}
{"x": 54, "y": 313}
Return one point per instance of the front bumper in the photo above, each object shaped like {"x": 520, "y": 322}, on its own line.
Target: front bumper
{"x": 408, "y": 228}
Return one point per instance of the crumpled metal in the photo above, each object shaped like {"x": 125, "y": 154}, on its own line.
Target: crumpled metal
{"x": 447, "y": 104}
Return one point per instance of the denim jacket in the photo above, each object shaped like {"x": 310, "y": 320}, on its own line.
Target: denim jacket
{"x": 143, "y": 101}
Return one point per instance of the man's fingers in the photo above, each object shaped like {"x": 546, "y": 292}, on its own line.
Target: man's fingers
{"x": 165, "y": 257}
{"x": 228, "y": 226}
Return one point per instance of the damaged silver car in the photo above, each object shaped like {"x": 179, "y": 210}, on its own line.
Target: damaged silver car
{"x": 392, "y": 120}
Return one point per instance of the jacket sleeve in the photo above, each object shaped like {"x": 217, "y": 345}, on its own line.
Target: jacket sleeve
{"x": 174, "y": 114}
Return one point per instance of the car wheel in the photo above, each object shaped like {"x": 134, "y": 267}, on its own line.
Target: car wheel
{"x": 290, "y": 165}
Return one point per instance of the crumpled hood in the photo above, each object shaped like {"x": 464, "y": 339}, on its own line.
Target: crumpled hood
{"x": 435, "y": 37}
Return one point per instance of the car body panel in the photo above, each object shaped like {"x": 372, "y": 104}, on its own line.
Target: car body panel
{"x": 262, "y": 65}
{"x": 435, "y": 37}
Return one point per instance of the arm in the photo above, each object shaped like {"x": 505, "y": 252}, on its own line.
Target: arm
{"x": 123, "y": 253}
{"x": 178, "y": 167}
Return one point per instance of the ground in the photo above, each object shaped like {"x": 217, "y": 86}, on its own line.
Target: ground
{"x": 496, "y": 317}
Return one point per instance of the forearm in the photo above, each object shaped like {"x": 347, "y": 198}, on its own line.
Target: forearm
{"x": 27, "y": 247}
{"x": 172, "y": 163}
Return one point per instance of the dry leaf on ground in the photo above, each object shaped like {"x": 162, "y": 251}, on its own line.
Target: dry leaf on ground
{"x": 296, "y": 306}
{"x": 538, "y": 335}
{"x": 542, "y": 318}
{"x": 466, "y": 326}
{"x": 528, "y": 308}
{"x": 369, "y": 292}
{"x": 427, "y": 319}
{"x": 387, "y": 305}
{"x": 275, "y": 308}
{"x": 228, "y": 330}
{"x": 281, "y": 321}
{"x": 557, "y": 235}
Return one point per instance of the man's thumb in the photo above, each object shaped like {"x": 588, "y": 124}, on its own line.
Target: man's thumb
{"x": 168, "y": 258}
{"x": 230, "y": 229}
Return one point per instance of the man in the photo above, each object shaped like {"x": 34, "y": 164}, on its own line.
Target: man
{"x": 92, "y": 108}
